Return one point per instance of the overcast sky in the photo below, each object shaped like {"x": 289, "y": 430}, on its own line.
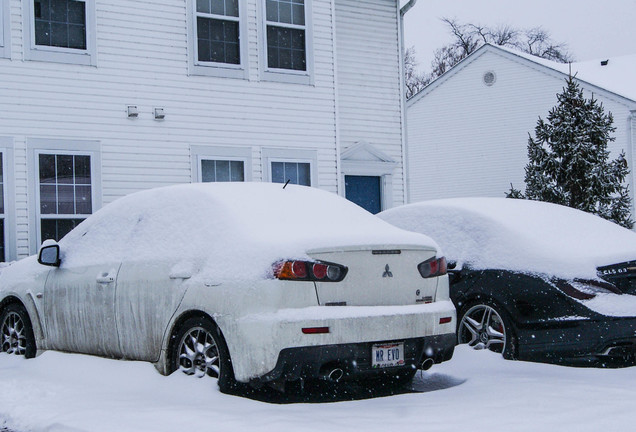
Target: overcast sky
{"x": 592, "y": 29}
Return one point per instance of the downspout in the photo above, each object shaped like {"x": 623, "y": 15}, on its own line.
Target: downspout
{"x": 405, "y": 167}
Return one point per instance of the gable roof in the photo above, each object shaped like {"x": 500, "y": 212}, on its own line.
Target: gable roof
{"x": 617, "y": 76}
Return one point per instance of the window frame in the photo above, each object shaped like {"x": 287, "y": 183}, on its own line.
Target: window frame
{"x": 287, "y": 75}
{"x": 199, "y": 153}
{"x": 224, "y": 70}
{"x": 5, "y": 29}
{"x": 38, "y": 146}
{"x": 59, "y": 54}
{"x": 290, "y": 155}
{"x": 10, "y": 245}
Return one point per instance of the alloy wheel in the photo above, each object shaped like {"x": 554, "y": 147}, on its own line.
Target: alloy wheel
{"x": 482, "y": 327}
{"x": 199, "y": 354}
{"x": 14, "y": 339}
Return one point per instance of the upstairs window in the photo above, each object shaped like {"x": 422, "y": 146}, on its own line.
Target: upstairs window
{"x": 60, "y": 31}
{"x": 60, "y": 23}
{"x": 217, "y": 30}
{"x": 286, "y": 34}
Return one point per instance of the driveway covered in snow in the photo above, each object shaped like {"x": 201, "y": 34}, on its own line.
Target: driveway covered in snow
{"x": 474, "y": 391}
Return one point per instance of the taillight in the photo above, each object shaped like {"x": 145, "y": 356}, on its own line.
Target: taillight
{"x": 432, "y": 267}
{"x": 586, "y": 289}
{"x": 309, "y": 271}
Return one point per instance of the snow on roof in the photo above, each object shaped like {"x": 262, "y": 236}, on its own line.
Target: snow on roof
{"x": 226, "y": 229}
{"x": 518, "y": 235}
{"x": 617, "y": 76}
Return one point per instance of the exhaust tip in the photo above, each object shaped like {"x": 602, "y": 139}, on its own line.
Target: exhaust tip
{"x": 427, "y": 364}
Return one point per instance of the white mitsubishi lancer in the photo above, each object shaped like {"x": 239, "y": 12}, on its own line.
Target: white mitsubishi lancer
{"x": 252, "y": 283}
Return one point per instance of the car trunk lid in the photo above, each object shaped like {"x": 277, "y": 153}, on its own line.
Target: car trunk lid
{"x": 622, "y": 275}
{"x": 377, "y": 275}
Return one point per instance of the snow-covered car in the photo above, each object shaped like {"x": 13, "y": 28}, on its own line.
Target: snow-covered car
{"x": 534, "y": 280}
{"x": 247, "y": 282}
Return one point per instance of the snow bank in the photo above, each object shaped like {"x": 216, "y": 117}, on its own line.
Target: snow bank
{"x": 518, "y": 235}
{"x": 70, "y": 392}
{"x": 228, "y": 230}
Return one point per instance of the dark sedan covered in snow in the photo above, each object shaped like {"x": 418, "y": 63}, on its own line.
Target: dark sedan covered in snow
{"x": 533, "y": 280}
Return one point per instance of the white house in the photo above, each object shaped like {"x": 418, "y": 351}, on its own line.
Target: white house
{"x": 468, "y": 130}
{"x": 101, "y": 98}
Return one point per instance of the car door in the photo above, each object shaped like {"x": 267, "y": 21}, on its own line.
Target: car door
{"x": 148, "y": 295}
{"x": 79, "y": 304}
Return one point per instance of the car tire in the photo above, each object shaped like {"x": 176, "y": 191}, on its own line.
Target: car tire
{"x": 486, "y": 325}
{"x": 16, "y": 331}
{"x": 199, "y": 349}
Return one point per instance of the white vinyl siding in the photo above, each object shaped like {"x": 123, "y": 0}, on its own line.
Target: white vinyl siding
{"x": 61, "y": 31}
{"x": 370, "y": 109}
{"x": 144, "y": 51}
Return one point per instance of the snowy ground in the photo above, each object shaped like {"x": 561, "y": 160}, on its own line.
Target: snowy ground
{"x": 475, "y": 391}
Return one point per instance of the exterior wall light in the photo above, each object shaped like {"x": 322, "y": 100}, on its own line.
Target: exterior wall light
{"x": 133, "y": 112}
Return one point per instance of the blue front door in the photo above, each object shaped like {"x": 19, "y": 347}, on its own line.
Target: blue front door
{"x": 364, "y": 191}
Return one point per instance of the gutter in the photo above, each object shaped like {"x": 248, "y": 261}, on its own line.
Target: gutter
{"x": 405, "y": 168}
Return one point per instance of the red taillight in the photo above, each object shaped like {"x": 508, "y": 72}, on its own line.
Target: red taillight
{"x": 433, "y": 267}
{"x": 320, "y": 270}
{"x": 309, "y": 271}
{"x": 299, "y": 268}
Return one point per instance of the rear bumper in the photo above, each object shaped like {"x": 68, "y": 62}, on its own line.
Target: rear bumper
{"x": 355, "y": 359}
{"x": 581, "y": 341}
{"x": 263, "y": 346}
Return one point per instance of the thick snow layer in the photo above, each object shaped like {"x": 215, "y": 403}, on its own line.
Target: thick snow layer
{"x": 518, "y": 235}
{"x": 616, "y": 76}
{"x": 476, "y": 391}
{"x": 227, "y": 230}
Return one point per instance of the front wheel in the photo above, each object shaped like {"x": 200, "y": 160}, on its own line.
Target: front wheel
{"x": 17, "y": 331}
{"x": 201, "y": 351}
{"x": 482, "y": 326}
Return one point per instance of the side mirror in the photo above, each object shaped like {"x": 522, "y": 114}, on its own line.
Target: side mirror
{"x": 49, "y": 254}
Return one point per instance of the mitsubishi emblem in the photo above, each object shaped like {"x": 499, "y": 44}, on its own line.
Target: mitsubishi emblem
{"x": 387, "y": 272}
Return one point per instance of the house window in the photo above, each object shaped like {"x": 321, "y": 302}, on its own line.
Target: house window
{"x": 286, "y": 34}
{"x": 295, "y": 172}
{"x": 217, "y": 29}
{"x": 222, "y": 170}
{"x": 60, "y": 23}
{"x": 221, "y": 164}
{"x": 60, "y": 31}
{"x": 65, "y": 192}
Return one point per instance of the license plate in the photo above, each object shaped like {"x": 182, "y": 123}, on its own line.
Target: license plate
{"x": 387, "y": 355}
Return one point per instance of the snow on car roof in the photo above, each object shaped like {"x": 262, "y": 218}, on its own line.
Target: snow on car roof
{"x": 518, "y": 235}
{"x": 239, "y": 228}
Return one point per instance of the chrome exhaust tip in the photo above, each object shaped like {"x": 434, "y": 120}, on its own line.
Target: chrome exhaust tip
{"x": 427, "y": 364}
{"x": 335, "y": 375}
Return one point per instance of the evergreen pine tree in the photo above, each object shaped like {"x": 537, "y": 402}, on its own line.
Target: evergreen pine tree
{"x": 569, "y": 160}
